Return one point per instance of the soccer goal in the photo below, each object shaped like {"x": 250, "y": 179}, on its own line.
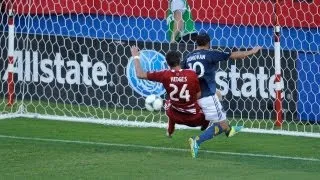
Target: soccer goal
{"x": 70, "y": 60}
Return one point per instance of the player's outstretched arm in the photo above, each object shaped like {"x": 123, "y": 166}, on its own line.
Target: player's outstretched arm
{"x": 139, "y": 71}
{"x": 243, "y": 54}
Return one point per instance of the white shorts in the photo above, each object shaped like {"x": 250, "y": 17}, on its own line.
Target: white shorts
{"x": 212, "y": 108}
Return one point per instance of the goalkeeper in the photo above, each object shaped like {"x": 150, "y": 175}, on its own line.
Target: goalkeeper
{"x": 180, "y": 22}
{"x": 204, "y": 61}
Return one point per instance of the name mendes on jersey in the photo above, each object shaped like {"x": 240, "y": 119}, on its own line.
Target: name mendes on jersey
{"x": 83, "y": 72}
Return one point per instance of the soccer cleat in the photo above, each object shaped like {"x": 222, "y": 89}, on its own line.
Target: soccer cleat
{"x": 234, "y": 130}
{"x": 193, "y": 147}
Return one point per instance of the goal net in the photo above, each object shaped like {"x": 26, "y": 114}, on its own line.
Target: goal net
{"x": 70, "y": 60}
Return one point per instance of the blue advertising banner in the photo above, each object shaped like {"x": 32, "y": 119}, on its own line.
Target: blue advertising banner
{"x": 309, "y": 86}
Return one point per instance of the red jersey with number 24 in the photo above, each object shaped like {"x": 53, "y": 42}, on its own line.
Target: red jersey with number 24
{"x": 182, "y": 87}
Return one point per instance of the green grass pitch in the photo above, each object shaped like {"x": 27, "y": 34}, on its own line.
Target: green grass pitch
{"x": 39, "y": 149}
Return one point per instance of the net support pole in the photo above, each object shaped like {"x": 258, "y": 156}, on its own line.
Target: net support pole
{"x": 10, "y": 80}
{"x": 278, "y": 89}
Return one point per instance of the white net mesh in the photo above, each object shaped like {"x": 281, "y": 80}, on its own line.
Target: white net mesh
{"x": 72, "y": 59}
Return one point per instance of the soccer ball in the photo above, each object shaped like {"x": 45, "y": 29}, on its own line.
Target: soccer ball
{"x": 153, "y": 103}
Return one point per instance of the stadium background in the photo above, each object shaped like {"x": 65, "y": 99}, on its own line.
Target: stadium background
{"x": 120, "y": 20}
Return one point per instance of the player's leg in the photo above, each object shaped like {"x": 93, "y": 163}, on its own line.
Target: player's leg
{"x": 213, "y": 130}
{"x": 234, "y": 130}
{"x": 171, "y": 119}
{"x": 217, "y": 106}
{"x": 212, "y": 109}
{"x": 229, "y": 131}
{"x": 214, "y": 112}
{"x": 191, "y": 120}
{"x": 199, "y": 120}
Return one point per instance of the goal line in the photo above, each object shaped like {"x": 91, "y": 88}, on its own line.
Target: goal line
{"x": 142, "y": 124}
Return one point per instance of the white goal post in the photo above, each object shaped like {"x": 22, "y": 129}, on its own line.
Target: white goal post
{"x": 70, "y": 60}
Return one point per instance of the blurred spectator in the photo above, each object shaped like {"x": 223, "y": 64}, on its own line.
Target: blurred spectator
{"x": 180, "y": 22}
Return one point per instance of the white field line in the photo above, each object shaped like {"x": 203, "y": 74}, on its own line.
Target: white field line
{"x": 157, "y": 148}
{"x": 9, "y": 116}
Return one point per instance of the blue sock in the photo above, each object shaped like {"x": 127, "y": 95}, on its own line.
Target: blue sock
{"x": 209, "y": 133}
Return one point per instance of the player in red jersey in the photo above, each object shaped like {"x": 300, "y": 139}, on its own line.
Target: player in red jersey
{"x": 183, "y": 90}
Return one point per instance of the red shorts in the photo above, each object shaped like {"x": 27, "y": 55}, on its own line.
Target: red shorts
{"x": 192, "y": 120}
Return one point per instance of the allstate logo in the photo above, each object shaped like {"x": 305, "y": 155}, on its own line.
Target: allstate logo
{"x": 150, "y": 60}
